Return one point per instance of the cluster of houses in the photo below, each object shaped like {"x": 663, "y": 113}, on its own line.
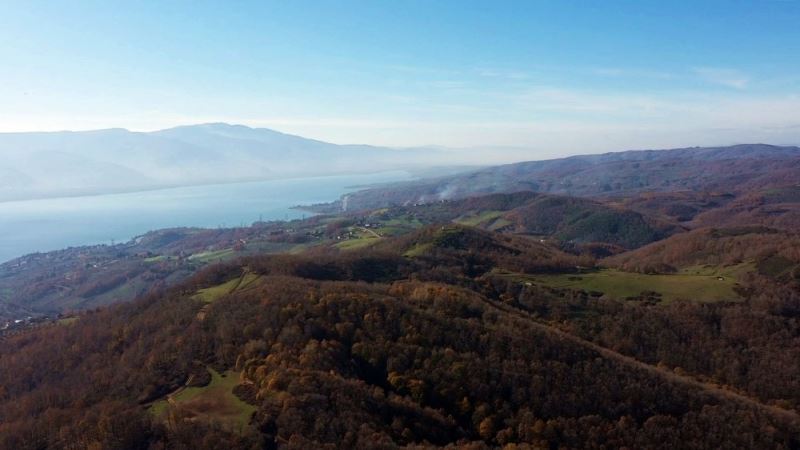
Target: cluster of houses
{"x": 12, "y": 326}
{"x": 351, "y": 234}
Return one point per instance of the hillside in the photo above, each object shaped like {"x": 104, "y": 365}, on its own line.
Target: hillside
{"x": 366, "y": 350}
{"x": 581, "y": 221}
{"x": 457, "y": 248}
{"x": 566, "y": 219}
{"x": 681, "y": 207}
{"x": 777, "y": 207}
{"x": 86, "y": 277}
{"x": 59, "y": 282}
{"x": 736, "y": 169}
{"x": 772, "y": 252}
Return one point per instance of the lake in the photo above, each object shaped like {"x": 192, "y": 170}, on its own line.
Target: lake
{"x": 52, "y": 224}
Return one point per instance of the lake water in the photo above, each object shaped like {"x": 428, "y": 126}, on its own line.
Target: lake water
{"x": 51, "y": 224}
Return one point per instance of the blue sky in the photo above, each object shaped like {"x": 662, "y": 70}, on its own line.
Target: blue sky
{"x": 557, "y": 76}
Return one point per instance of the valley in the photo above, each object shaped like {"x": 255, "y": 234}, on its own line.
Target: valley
{"x": 459, "y": 322}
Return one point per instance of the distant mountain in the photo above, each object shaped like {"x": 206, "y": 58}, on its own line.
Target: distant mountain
{"x": 738, "y": 168}
{"x": 89, "y": 162}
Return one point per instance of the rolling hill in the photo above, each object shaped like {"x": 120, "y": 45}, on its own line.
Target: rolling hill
{"x": 562, "y": 218}
{"x": 316, "y": 351}
{"x": 777, "y": 207}
{"x": 771, "y": 252}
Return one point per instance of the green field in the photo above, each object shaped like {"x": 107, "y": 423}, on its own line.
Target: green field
{"x": 212, "y": 293}
{"x": 353, "y": 244}
{"x": 394, "y": 230}
{"x": 217, "y": 255}
{"x": 406, "y": 221}
{"x": 697, "y": 283}
{"x": 67, "y": 321}
{"x": 157, "y": 258}
{"x": 475, "y": 219}
{"x": 418, "y": 250}
{"x": 216, "y": 401}
{"x": 490, "y": 220}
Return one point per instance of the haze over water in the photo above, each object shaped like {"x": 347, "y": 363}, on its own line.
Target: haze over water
{"x": 52, "y": 224}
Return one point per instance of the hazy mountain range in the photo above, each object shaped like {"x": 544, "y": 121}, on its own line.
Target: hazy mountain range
{"x": 50, "y": 164}
{"x": 53, "y": 164}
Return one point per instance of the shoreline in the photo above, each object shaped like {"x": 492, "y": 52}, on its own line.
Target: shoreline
{"x": 294, "y": 210}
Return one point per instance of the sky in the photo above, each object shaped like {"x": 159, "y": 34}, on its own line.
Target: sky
{"x": 559, "y": 77}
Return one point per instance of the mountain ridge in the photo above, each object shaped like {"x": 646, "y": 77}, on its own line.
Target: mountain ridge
{"x": 121, "y": 160}
{"x": 734, "y": 168}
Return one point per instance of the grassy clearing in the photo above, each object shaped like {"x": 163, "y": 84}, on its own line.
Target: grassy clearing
{"x": 354, "y": 244}
{"x": 477, "y": 219}
{"x": 213, "y": 293}
{"x": 212, "y": 256}
{"x": 300, "y": 248}
{"x": 696, "y": 284}
{"x": 216, "y": 401}
{"x": 499, "y": 223}
{"x": 418, "y": 250}
{"x": 362, "y": 237}
{"x": 394, "y": 230}
{"x": 67, "y": 321}
{"x": 403, "y": 222}
{"x": 269, "y": 247}
{"x": 490, "y": 220}
{"x": 379, "y": 212}
{"x": 708, "y": 270}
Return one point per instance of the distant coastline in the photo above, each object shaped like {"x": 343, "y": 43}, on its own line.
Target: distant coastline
{"x": 165, "y": 186}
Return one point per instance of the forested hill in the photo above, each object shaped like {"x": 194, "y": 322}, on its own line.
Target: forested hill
{"x": 444, "y": 337}
{"x": 738, "y": 168}
{"x": 87, "y": 277}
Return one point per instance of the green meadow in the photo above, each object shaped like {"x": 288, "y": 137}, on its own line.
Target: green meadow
{"x": 703, "y": 284}
{"x": 216, "y": 401}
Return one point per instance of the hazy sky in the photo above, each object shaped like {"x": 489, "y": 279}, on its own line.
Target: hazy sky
{"x": 557, "y": 76}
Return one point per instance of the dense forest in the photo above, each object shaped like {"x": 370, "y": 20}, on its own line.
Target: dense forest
{"x": 652, "y": 315}
{"x": 374, "y": 349}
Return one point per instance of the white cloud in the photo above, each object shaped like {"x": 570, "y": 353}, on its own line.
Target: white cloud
{"x": 620, "y": 72}
{"x": 726, "y": 77}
